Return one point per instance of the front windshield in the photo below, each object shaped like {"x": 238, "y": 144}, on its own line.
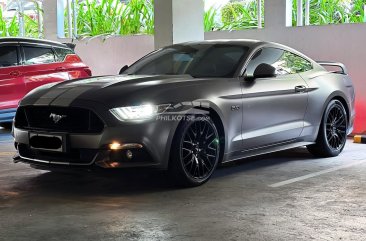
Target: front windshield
{"x": 201, "y": 60}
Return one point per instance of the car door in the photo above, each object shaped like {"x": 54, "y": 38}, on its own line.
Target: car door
{"x": 12, "y": 87}
{"x": 273, "y": 108}
{"x": 40, "y": 66}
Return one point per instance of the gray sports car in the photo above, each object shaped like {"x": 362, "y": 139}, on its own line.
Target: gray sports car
{"x": 187, "y": 108}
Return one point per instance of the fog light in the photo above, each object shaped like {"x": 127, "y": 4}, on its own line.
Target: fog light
{"x": 115, "y": 146}
{"x": 129, "y": 154}
{"x": 119, "y": 146}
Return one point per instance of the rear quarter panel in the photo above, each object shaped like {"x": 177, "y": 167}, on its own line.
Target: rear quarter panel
{"x": 323, "y": 87}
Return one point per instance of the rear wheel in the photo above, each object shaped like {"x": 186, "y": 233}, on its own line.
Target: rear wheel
{"x": 195, "y": 152}
{"x": 6, "y": 125}
{"x": 332, "y": 132}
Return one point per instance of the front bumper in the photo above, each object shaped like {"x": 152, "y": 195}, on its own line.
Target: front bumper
{"x": 88, "y": 151}
{"x": 85, "y": 158}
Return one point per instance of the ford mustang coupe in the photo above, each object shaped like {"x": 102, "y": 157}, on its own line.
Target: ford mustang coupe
{"x": 187, "y": 108}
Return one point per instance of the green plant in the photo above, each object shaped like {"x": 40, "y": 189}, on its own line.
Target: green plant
{"x": 138, "y": 17}
{"x": 31, "y": 27}
{"x": 10, "y": 28}
{"x": 357, "y": 13}
{"x": 240, "y": 15}
{"x": 333, "y": 11}
{"x": 209, "y": 19}
{"x": 112, "y": 17}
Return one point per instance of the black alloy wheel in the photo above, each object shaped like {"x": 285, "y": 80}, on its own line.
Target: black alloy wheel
{"x": 332, "y": 134}
{"x": 336, "y": 127}
{"x": 197, "y": 151}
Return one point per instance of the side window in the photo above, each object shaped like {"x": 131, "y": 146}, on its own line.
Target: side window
{"x": 219, "y": 61}
{"x": 285, "y": 62}
{"x": 297, "y": 64}
{"x": 38, "y": 55}
{"x": 8, "y": 56}
{"x": 61, "y": 53}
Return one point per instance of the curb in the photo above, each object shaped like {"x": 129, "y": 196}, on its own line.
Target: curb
{"x": 359, "y": 139}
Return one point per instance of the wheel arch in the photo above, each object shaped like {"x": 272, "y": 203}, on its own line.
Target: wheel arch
{"x": 321, "y": 147}
{"x": 221, "y": 130}
{"x": 217, "y": 119}
{"x": 345, "y": 105}
{"x": 338, "y": 95}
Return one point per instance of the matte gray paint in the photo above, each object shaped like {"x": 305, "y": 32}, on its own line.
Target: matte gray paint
{"x": 271, "y": 116}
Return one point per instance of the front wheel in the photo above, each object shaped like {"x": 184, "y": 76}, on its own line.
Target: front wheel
{"x": 195, "y": 151}
{"x": 332, "y": 132}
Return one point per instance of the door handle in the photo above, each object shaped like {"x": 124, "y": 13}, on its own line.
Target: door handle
{"x": 14, "y": 73}
{"x": 300, "y": 88}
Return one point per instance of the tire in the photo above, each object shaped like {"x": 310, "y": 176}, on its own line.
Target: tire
{"x": 332, "y": 134}
{"x": 6, "y": 125}
{"x": 195, "y": 151}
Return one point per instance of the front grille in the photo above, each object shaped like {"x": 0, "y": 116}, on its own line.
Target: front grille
{"x": 58, "y": 119}
{"x": 73, "y": 156}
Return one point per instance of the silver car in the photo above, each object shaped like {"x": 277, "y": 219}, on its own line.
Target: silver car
{"x": 187, "y": 108}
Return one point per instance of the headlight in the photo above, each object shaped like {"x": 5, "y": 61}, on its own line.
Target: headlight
{"x": 140, "y": 112}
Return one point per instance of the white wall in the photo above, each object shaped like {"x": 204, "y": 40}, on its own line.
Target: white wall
{"x": 109, "y": 56}
{"x": 345, "y": 43}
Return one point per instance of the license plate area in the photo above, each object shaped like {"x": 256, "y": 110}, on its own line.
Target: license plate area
{"x": 47, "y": 142}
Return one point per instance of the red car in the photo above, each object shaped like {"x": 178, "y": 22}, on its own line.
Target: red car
{"x": 28, "y": 63}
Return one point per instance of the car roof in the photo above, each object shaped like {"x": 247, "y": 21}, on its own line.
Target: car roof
{"x": 244, "y": 42}
{"x": 32, "y": 40}
{"x": 251, "y": 43}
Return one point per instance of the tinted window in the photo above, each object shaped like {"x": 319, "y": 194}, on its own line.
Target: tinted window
{"x": 61, "y": 53}
{"x": 196, "y": 60}
{"x": 8, "y": 56}
{"x": 296, "y": 63}
{"x": 285, "y": 62}
{"x": 36, "y": 55}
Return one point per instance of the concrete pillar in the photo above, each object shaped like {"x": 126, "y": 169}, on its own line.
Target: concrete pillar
{"x": 277, "y": 14}
{"x": 259, "y": 3}
{"x": 289, "y": 13}
{"x": 50, "y": 19}
{"x": 300, "y": 15}
{"x": 307, "y": 12}
{"x": 178, "y": 21}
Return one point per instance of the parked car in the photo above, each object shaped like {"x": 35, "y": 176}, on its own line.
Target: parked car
{"x": 26, "y": 64}
{"x": 187, "y": 108}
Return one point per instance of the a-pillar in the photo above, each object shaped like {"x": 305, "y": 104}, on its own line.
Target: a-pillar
{"x": 178, "y": 21}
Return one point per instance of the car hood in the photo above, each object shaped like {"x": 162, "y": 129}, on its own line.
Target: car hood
{"x": 108, "y": 90}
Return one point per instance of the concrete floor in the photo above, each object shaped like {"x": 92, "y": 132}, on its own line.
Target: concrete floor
{"x": 324, "y": 199}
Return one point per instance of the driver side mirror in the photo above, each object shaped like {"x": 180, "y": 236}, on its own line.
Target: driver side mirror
{"x": 123, "y": 69}
{"x": 264, "y": 71}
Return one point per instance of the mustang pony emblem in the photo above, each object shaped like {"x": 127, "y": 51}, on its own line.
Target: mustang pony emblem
{"x": 56, "y": 118}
